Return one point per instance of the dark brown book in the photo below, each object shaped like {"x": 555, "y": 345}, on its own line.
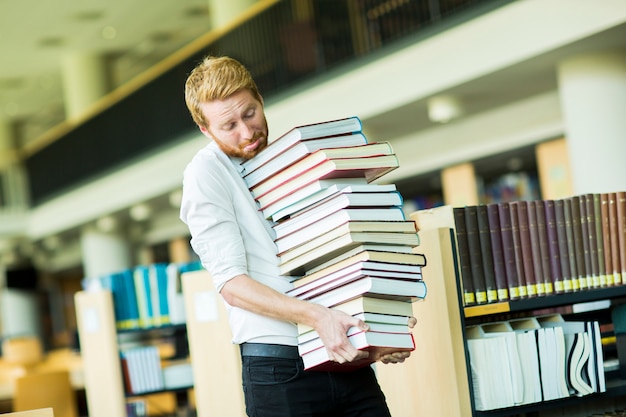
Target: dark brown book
{"x": 525, "y": 249}
{"x": 590, "y": 213}
{"x": 487, "y": 253}
{"x": 542, "y": 230}
{"x": 536, "y": 248}
{"x": 518, "y": 252}
{"x": 597, "y": 210}
{"x": 620, "y": 201}
{"x": 559, "y": 213}
{"x": 581, "y": 263}
{"x": 496, "y": 251}
{"x": 475, "y": 254}
{"x": 508, "y": 251}
{"x": 606, "y": 239}
{"x": 615, "y": 249}
{"x": 571, "y": 249}
{"x": 465, "y": 268}
{"x": 553, "y": 247}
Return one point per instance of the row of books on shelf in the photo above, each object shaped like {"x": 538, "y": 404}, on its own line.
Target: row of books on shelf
{"x": 145, "y": 296}
{"x": 520, "y": 249}
{"x": 525, "y": 361}
{"x": 339, "y": 236}
{"x": 144, "y": 371}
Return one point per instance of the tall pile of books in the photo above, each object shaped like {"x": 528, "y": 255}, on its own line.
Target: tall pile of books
{"x": 343, "y": 240}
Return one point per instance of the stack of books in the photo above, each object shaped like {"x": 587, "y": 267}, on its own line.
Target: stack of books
{"x": 343, "y": 240}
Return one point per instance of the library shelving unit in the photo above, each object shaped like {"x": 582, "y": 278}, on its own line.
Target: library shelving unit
{"x": 100, "y": 343}
{"x": 436, "y": 380}
{"x": 215, "y": 359}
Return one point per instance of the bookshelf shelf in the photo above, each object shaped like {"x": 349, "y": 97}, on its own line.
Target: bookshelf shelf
{"x": 439, "y": 247}
{"x": 556, "y": 300}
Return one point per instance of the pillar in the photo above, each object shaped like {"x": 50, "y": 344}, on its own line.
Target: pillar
{"x": 592, "y": 90}
{"x": 104, "y": 252}
{"x": 85, "y": 80}
{"x": 223, "y": 12}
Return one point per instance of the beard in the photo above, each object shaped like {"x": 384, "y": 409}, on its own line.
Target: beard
{"x": 240, "y": 150}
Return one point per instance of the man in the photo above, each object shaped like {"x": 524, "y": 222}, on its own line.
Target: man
{"x": 235, "y": 244}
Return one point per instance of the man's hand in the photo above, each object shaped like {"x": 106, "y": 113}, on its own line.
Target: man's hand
{"x": 398, "y": 357}
{"x": 332, "y": 327}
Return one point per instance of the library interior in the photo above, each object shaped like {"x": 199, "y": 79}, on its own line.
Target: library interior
{"x": 505, "y": 118}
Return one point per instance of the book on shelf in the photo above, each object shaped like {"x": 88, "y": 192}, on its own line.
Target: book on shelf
{"x": 590, "y": 212}
{"x": 571, "y": 246}
{"x": 516, "y": 285}
{"x": 553, "y": 247}
{"x": 620, "y": 202}
{"x": 597, "y": 210}
{"x": 365, "y": 309}
{"x": 544, "y": 247}
{"x": 304, "y": 198}
{"x": 609, "y": 272}
{"x": 540, "y": 266}
{"x": 323, "y": 248}
{"x": 302, "y": 133}
{"x": 614, "y": 238}
{"x": 465, "y": 267}
{"x": 372, "y": 286}
{"x": 295, "y": 153}
{"x": 320, "y": 211}
{"x": 533, "y": 286}
{"x": 564, "y": 254}
{"x": 376, "y": 343}
{"x": 527, "y": 285}
{"x": 475, "y": 254}
{"x": 584, "y": 227}
{"x": 338, "y": 225}
{"x": 581, "y": 264}
{"x": 495, "y": 237}
{"x": 368, "y": 161}
{"x": 484, "y": 237}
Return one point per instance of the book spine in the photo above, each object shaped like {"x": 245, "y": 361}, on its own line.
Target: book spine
{"x": 487, "y": 253}
{"x": 508, "y": 250}
{"x": 620, "y": 200}
{"x": 527, "y": 253}
{"x": 535, "y": 247}
{"x": 597, "y": 210}
{"x": 496, "y": 250}
{"x": 553, "y": 247}
{"x": 571, "y": 249}
{"x": 581, "y": 265}
{"x": 542, "y": 230}
{"x": 517, "y": 251}
{"x": 606, "y": 239}
{"x": 615, "y": 244}
{"x": 475, "y": 254}
{"x": 593, "y": 239}
{"x": 584, "y": 226}
{"x": 566, "y": 273}
{"x": 465, "y": 269}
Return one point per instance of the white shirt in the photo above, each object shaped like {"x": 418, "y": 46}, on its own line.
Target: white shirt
{"x": 231, "y": 237}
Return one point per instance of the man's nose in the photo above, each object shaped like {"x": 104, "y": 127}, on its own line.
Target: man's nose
{"x": 246, "y": 131}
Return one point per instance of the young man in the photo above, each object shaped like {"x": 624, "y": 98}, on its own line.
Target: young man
{"x": 235, "y": 244}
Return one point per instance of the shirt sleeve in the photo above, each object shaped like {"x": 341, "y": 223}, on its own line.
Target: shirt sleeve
{"x": 207, "y": 209}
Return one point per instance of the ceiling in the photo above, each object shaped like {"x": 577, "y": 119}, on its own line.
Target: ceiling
{"x": 36, "y": 37}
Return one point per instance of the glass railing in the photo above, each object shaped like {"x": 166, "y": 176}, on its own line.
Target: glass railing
{"x": 288, "y": 43}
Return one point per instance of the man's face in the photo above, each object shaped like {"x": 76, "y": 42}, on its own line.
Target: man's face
{"x": 237, "y": 124}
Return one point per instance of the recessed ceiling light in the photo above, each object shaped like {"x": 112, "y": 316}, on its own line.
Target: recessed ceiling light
{"x": 109, "y": 32}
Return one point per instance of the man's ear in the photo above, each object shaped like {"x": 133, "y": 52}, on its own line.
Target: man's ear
{"x": 205, "y": 131}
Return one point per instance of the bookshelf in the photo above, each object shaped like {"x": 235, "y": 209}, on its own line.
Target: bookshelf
{"x": 440, "y": 368}
{"x": 101, "y": 343}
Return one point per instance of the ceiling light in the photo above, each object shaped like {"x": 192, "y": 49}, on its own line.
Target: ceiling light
{"x": 106, "y": 224}
{"x": 442, "y": 109}
{"x": 109, "y": 32}
{"x": 140, "y": 212}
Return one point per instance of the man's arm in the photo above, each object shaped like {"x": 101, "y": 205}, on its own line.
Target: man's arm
{"x": 332, "y": 326}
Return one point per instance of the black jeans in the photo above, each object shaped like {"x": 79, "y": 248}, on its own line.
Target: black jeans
{"x": 277, "y": 387}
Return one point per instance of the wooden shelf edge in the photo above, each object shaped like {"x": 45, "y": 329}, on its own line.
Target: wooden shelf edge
{"x": 485, "y": 309}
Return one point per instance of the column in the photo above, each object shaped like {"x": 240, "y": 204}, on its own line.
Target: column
{"x": 104, "y": 252}
{"x": 223, "y": 12}
{"x": 593, "y": 98}
{"x": 84, "y": 81}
